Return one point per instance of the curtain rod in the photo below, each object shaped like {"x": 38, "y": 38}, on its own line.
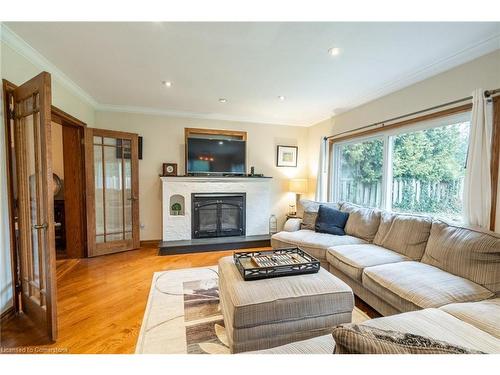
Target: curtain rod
{"x": 487, "y": 94}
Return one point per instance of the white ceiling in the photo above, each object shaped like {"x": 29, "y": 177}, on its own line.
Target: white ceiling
{"x": 121, "y": 65}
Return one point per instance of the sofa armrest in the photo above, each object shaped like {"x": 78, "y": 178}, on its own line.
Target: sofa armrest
{"x": 292, "y": 225}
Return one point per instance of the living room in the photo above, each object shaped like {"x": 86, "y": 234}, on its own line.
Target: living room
{"x": 250, "y": 187}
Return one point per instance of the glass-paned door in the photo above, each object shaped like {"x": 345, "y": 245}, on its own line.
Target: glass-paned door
{"x": 113, "y": 203}
{"x": 31, "y": 105}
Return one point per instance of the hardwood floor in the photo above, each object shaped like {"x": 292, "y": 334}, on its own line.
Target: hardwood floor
{"x": 101, "y": 302}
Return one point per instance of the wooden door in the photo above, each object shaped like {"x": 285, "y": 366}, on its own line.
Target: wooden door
{"x": 112, "y": 191}
{"x": 35, "y": 206}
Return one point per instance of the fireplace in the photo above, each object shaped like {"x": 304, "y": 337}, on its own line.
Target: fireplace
{"x": 217, "y": 214}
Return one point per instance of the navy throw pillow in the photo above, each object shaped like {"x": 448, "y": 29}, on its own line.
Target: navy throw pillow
{"x": 331, "y": 221}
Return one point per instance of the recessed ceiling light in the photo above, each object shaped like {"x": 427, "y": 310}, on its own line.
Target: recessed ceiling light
{"x": 167, "y": 83}
{"x": 282, "y": 98}
{"x": 334, "y": 51}
{"x": 222, "y": 100}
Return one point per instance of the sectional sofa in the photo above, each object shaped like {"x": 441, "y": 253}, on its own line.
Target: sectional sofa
{"x": 412, "y": 264}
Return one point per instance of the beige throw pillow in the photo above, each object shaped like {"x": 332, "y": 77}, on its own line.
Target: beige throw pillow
{"x": 360, "y": 339}
{"x": 309, "y": 220}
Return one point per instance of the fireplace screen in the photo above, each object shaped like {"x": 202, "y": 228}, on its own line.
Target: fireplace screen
{"x": 218, "y": 215}
{"x": 207, "y": 218}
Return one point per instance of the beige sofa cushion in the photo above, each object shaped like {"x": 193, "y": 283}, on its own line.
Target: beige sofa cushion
{"x": 281, "y": 299}
{"x": 311, "y": 242}
{"x": 413, "y": 285}
{"x": 352, "y": 259}
{"x": 317, "y": 345}
{"x": 406, "y": 234}
{"x": 307, "y": 205}
{"x": 363, "y": 339}
{"x": 362, "y": 222}
{"x": 439, "y": 325}
{"x": 465, "y": 252}
{"x": 484, "y": 315}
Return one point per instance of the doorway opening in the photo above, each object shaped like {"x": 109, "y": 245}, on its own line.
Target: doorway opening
{"x": 68, "y": 167}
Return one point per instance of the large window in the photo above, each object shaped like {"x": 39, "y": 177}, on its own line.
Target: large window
{"x": 360, "y": 172}
{"x": 418, "y": 169}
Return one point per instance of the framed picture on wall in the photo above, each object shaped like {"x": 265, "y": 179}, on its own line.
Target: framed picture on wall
{"x": 287, "y": 156}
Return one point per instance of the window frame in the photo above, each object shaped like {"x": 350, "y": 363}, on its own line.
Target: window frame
{"x": 387, "y": 136}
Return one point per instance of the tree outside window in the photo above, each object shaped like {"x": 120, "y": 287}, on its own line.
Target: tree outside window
{"x": 428, "y": 168}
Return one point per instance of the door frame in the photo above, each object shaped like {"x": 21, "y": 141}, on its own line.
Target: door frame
{"x": 115, "y": 246}
{"x": 70, "y": 123}
{"x": 58, "y": 116}
{"x": 8, "y": 89}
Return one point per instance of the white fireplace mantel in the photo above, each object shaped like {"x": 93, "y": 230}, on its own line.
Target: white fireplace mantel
{"x": 179, "y": 189}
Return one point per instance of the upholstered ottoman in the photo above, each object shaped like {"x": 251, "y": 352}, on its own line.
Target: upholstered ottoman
{"x": 262, "y": 314}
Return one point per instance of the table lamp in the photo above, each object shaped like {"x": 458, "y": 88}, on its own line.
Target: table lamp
{"x": 297, "y": 186}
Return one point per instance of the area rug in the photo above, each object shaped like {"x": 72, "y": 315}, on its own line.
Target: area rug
{"x": 183, "y": 315}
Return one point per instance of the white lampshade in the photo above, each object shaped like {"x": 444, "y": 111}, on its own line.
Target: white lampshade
{"x": 298, "y": 185}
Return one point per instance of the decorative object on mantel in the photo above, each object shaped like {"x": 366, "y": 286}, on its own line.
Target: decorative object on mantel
{"x": 253, "y": 174}
{"x": 297, "y": 186}
{"x": 273, "y": 225}
{"x": 287, "y": 156}
{"x": 169, "y": 169}
{"x": 176, "y": 208}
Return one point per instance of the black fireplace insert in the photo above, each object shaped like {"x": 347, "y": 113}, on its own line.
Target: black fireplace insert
{"x": 217, "y": 214}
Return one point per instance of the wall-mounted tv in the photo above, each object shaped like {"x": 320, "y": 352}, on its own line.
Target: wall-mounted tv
{"x": 216, "y": 156}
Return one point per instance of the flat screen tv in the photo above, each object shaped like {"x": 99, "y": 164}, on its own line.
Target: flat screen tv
{"x": 216, "y": 156}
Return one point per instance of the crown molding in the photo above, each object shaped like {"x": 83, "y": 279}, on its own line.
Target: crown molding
{"x": 15, "y": 42}
{"x": 461, "y": 57}
{"x": 181, "y": 114}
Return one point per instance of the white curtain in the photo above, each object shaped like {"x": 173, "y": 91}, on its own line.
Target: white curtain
{"x": 321, "y": 182}
{"x": 477, "y": 189}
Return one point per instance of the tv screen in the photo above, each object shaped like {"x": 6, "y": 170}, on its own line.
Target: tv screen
{"x": 216, "y": 156}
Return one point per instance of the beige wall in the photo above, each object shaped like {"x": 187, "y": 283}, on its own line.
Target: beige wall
{"x": 164, "y": 142}
{"x": 453, "y": 84}
{"x": 17, "y": 69}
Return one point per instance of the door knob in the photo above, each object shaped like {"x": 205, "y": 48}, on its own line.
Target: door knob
{"x": 40, "y": 226}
